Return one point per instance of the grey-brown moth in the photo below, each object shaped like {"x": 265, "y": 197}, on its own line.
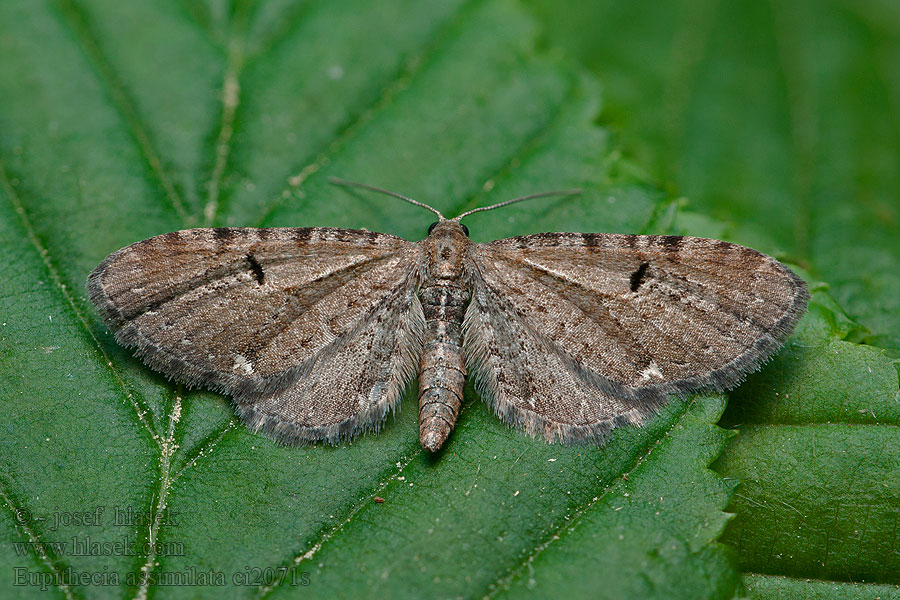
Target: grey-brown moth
{"x": 316, "y": 331}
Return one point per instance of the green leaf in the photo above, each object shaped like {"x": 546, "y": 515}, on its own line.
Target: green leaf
{"x": 643, "y": 505}
{"x": 784, "y": 588}
{"x": 816, "y": 460}
{"x": 777, "y": 120}
{"x": 124, "y": 120}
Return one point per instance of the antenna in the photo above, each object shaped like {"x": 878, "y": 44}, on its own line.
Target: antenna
{"x": 574, "y": 192}
{"x": 372, "y": 188}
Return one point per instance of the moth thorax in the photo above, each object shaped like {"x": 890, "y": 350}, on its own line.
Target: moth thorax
{"x": 446, "y": 250}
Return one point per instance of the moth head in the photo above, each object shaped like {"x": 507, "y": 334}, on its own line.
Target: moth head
{"x": 431, "y": 227}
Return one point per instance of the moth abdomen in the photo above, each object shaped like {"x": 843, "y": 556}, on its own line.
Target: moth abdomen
{"x": 442, "y": 371}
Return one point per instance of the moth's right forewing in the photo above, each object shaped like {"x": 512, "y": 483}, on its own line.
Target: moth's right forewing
{"x": 635, "y": 317}
{"x": 674, "y": 312}
{"x": 234, "y": 309}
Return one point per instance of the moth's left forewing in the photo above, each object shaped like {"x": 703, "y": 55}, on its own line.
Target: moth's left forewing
{"x": 636, "y": 318}
{"x": 313, "y": 331}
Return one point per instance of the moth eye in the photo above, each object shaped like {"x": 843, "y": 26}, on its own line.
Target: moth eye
{"x": 432, "y": 226}
{"x": 465, "y": 230}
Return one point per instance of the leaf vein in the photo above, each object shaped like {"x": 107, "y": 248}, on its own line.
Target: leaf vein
{"x": 140, "y": 409}
{"x": 802, "y": 122}
{"x": 294, "y": 20}
{"x": 205, "y": 449}
{"x": 554, "y": 533}
{"x": 231, "y": 96}
{"x": 688, "y": 47}
{"x": 167, "y": 451}
{"x": 126, "y": 107}
{"x": 314, "y": 549}
{"x": 397, "y": 84}
{"x": 518, "y": 157}
{"x": 35, "y": 544}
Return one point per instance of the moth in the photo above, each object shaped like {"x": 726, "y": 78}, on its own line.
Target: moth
{"x": 316, "y": 332}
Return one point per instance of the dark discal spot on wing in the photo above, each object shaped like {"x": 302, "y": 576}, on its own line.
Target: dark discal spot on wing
{"x": 637, "y": 278}
{"x": 257, "y": 269}
{"x": 224, "y": 262}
